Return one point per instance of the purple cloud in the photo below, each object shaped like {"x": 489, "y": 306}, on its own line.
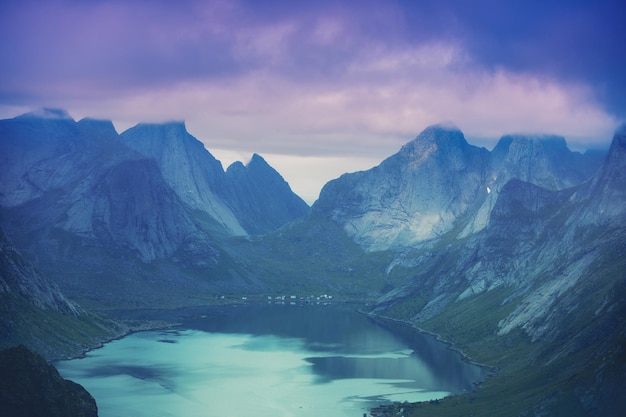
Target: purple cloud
{"x": 351, "y": 78}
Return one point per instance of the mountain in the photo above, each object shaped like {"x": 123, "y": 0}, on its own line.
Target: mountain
{"x": 540, "y": 293}
{"x": 517, "y": 255}
{"x": 438, "y": 184}
{"x": 252, "y": 199}
{"x": 30, "y": 387}
{"x": 417, "y": 194}
{"x": 35, "y": 313}
{"x": 260, "y": 197}
{"x": 187, "y": 167}
{"x": 133, "y": 219}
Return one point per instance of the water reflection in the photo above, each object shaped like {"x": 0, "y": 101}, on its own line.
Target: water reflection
{"x": 268, "y": 361}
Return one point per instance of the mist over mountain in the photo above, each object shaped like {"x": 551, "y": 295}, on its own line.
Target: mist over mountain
{"x": 439, "y": 184}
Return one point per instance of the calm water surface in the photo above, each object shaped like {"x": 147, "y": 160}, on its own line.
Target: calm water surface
{"x": 264, "y": 361}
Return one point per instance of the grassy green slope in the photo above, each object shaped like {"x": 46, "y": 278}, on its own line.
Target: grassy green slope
{"x": 579, "y": 370}
{"x": 313, "y": 255}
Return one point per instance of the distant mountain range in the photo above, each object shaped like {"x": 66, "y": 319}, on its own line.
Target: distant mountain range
{"x": 518, "y": 255}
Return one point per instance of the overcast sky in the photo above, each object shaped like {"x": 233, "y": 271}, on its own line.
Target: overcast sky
{"x": 319, "y": 88}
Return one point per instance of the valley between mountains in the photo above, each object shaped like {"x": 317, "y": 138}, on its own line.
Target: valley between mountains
{"x": 517, "y": 255}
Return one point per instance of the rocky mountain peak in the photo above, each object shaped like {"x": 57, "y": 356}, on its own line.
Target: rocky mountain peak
{"x": 47, "y": 113}
{"x": 257, "y": 160}
{"x": 606, "y": 191}
{"x": 440, "y": 137}
{"x": 152, "y": 138}
{"x": 98, "y": 129}
{"x": 619, "y": 140}
{"x": 526, "y": 146}
{"x": 260, "y": 196}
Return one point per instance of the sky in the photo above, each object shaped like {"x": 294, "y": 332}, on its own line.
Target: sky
{"x": 319, "y": 88}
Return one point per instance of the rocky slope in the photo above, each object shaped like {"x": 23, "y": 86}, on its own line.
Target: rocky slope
{"x": 30, "y": 387}
{"x": 187, "y": 167}
{"x": 260, "y": 197}
{"x": 35, "y": 313}
{"x": 539, "y": 292}
{"x": 415, "y": 195}
{"x": 439, "y": 184}
{"x": 250, "y": 199}
{"x": 111, "y": 223}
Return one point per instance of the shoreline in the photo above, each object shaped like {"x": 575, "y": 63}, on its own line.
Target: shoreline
{"x": 436, "y": 336}
{"x": 141, "y": 325}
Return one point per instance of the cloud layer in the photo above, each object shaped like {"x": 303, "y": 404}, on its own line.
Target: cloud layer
{"x": 323, "y": 81}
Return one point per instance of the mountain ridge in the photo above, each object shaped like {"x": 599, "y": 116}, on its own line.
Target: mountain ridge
{"x": 438, "y": 180}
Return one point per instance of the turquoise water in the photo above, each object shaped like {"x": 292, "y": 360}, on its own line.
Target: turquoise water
{"x": 276, "y": 361}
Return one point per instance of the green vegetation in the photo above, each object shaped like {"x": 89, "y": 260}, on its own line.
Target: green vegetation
{"x": 52, "y": 333}
{"x": 576, "y": 369}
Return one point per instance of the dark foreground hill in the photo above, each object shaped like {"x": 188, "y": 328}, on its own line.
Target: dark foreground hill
{"x": 30, "y": 387}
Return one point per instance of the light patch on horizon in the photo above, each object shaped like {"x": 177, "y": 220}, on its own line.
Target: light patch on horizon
{"x": 306, "y": 175}
{"x": 322, "y": 84}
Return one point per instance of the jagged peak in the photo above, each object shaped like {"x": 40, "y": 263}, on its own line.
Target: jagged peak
{"x": 620, "y": 135}
{"x": 441, "y": 135}
{"x": 256, "y": 163}
{"x": 48, "y": 113}
{"x": 616, "y": 155}
{"x": 176, "y": 126}
{"x": 103, "y": 124}
{"x": 236, "y": 166}
{"x": 551, "y": 145}
{"x": 544, "y": 139}
{"x": 257, "y": 160}
{"x": 447, "y": 125}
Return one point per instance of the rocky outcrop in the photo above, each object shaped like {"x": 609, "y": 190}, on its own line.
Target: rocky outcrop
{"x": 438, "y": 184}
{"x": 251, "y": 199}
{"x": 37, "y": 314}
{"x": 544, "y": 246}
{"x": 187, "y": 167}
{"x": 260, "y": 197}
{"x": 19, "y": 279}
{"x": 415, "y": 195}
{"x": 137, "y": 218}
{"x": 30, "y": 387}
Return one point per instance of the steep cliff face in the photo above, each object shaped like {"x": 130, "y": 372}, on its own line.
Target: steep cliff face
{"x": 245, "y": 200}
{"x": 35, "y": 313}
{"x": 30, "y": 387}
{"x": 80, "y": 178}
{"x": 19, "y": 279}
{"x": 544, "y": 281}
{"x": 49, "y": 152}
{"x": 260, "y": 197}
{"x": 415, "y": 195}
{"x": 137, "y": 218}
{"x": 439, "y": 184}
{"x": 188, "y": 168}
{"x": 604, "y": 195}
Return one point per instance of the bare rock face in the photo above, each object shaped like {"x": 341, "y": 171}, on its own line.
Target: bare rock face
{"x": 415, "y": 195}
{"x": 438, "y": 184}
{"x": 187, "y": 167}
{"x": 260, "y": 197}
{"x": 246, "y": 199}
{"x": 19, "y": 279}
{"x": 30, "y": 387}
